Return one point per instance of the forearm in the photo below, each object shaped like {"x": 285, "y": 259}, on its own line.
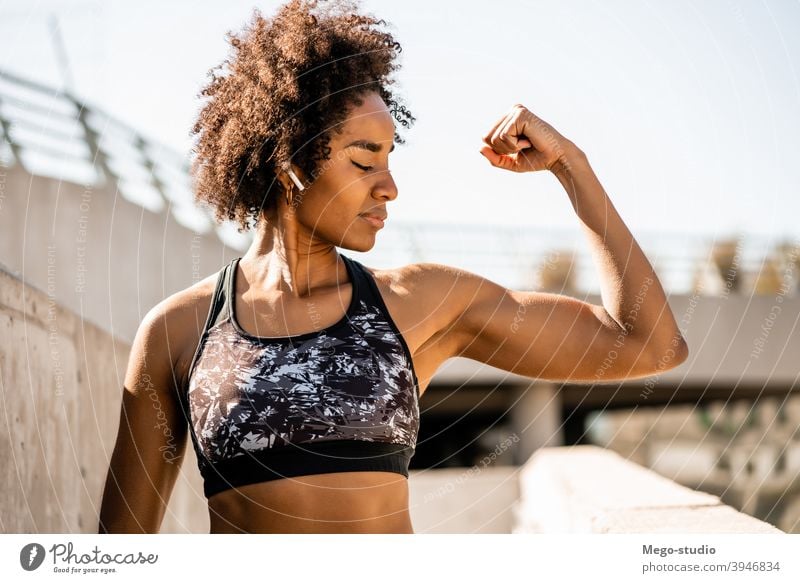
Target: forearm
{"x": 631, "y": 291}
{"x": 131, "y": 511}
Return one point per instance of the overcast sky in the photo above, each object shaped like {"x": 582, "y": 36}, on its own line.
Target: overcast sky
{"x": 689, "y": 111}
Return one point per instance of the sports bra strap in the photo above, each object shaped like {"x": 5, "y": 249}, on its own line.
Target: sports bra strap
{"x": 365, "y": 282}
{"x": 365, "y": 288}
{"x": 219, "y": 307}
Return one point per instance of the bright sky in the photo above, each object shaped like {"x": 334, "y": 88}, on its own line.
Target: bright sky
{"x": 689, "y": 111}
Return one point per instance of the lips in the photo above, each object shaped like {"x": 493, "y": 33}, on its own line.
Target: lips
{"x": 375, "y": 216}
{"x": 373, "y": 219}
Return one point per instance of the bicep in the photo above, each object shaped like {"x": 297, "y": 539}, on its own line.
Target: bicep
{"x": 151, "y": 439}
{"x": 548, "y": 336}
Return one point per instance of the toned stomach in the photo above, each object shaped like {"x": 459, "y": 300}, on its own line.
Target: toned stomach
{"x": 341, "y": 502}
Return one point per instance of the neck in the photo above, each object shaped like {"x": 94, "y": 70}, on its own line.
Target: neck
{"x": 286, "y": 257}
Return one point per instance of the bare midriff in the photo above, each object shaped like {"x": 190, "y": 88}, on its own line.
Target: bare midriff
{"x": 341, "y": 502}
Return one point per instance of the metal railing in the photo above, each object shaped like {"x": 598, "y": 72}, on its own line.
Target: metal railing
{"x": 55, "y": 134}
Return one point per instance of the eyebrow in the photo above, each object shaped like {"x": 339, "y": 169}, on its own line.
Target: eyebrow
{"x": 367, "y": 145}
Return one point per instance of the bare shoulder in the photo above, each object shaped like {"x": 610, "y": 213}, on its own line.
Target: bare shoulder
{"x": 429, "y": 278}
{"x": 417, "y": 283}
{"x": 177, "y": 321}
{"x": 430, "y": 298}
{"x": 435, "y": 285}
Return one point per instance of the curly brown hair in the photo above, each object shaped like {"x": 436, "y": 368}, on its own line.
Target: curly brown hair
{"x": 290, "y": 83}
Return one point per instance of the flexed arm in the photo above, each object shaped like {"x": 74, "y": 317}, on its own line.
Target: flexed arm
{"x": 545, "y": 335}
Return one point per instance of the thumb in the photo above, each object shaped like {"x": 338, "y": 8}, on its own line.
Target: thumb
{"x": 498, "y": 160}
{"x": 490, "y": 154}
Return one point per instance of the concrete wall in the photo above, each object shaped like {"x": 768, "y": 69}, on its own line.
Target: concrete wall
{"x": 104, "y": 257}
{"x": 61, "y": 382}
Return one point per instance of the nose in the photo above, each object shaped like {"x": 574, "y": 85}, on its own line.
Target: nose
{"x": 385, "y": 186}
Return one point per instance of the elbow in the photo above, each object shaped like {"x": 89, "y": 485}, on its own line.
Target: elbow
{"x": 684, "y": 350}
{"x": 680, "y": 353}
{"x": 675, "y": 354}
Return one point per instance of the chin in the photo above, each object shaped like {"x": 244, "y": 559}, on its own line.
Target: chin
{"x": 360, "y": 244}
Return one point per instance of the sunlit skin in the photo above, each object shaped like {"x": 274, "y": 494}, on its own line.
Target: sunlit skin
{"x": 292, "y": 281}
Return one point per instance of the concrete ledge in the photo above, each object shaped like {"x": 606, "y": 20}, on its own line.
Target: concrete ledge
{"x": 476, "y": 500}
{"x": 588, "y": 489}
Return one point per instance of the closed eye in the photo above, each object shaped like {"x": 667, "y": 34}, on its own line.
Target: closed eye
{"x": 360, "y": 167}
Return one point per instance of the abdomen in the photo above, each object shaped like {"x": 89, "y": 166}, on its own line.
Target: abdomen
{"x": 341, "y": 502}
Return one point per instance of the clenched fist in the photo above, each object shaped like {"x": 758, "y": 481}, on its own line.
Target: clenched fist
{"x": 522, "y": 142}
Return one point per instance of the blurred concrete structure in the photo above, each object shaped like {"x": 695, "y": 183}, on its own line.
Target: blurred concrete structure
{"x": 586, "y": 489}
{"x": 745, "y": 452}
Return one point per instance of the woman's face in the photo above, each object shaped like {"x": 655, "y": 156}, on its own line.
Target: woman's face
{"x": 354, "y": 181}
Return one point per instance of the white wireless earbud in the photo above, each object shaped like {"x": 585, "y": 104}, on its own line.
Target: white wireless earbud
{"x": 294, "y": 177}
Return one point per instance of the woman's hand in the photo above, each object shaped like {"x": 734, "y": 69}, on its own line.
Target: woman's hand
{"x": 522, "y": 142}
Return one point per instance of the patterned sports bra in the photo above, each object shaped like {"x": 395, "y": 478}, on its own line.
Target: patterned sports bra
{"x": 341, "y": 399}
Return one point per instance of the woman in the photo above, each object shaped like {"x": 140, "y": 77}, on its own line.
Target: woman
{"x": 298, "y": 369}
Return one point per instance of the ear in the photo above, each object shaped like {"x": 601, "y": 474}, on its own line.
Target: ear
{"x": 291, "y": 178}
{"x": 283, "y": 178}
{"x": 291, "y": 172}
